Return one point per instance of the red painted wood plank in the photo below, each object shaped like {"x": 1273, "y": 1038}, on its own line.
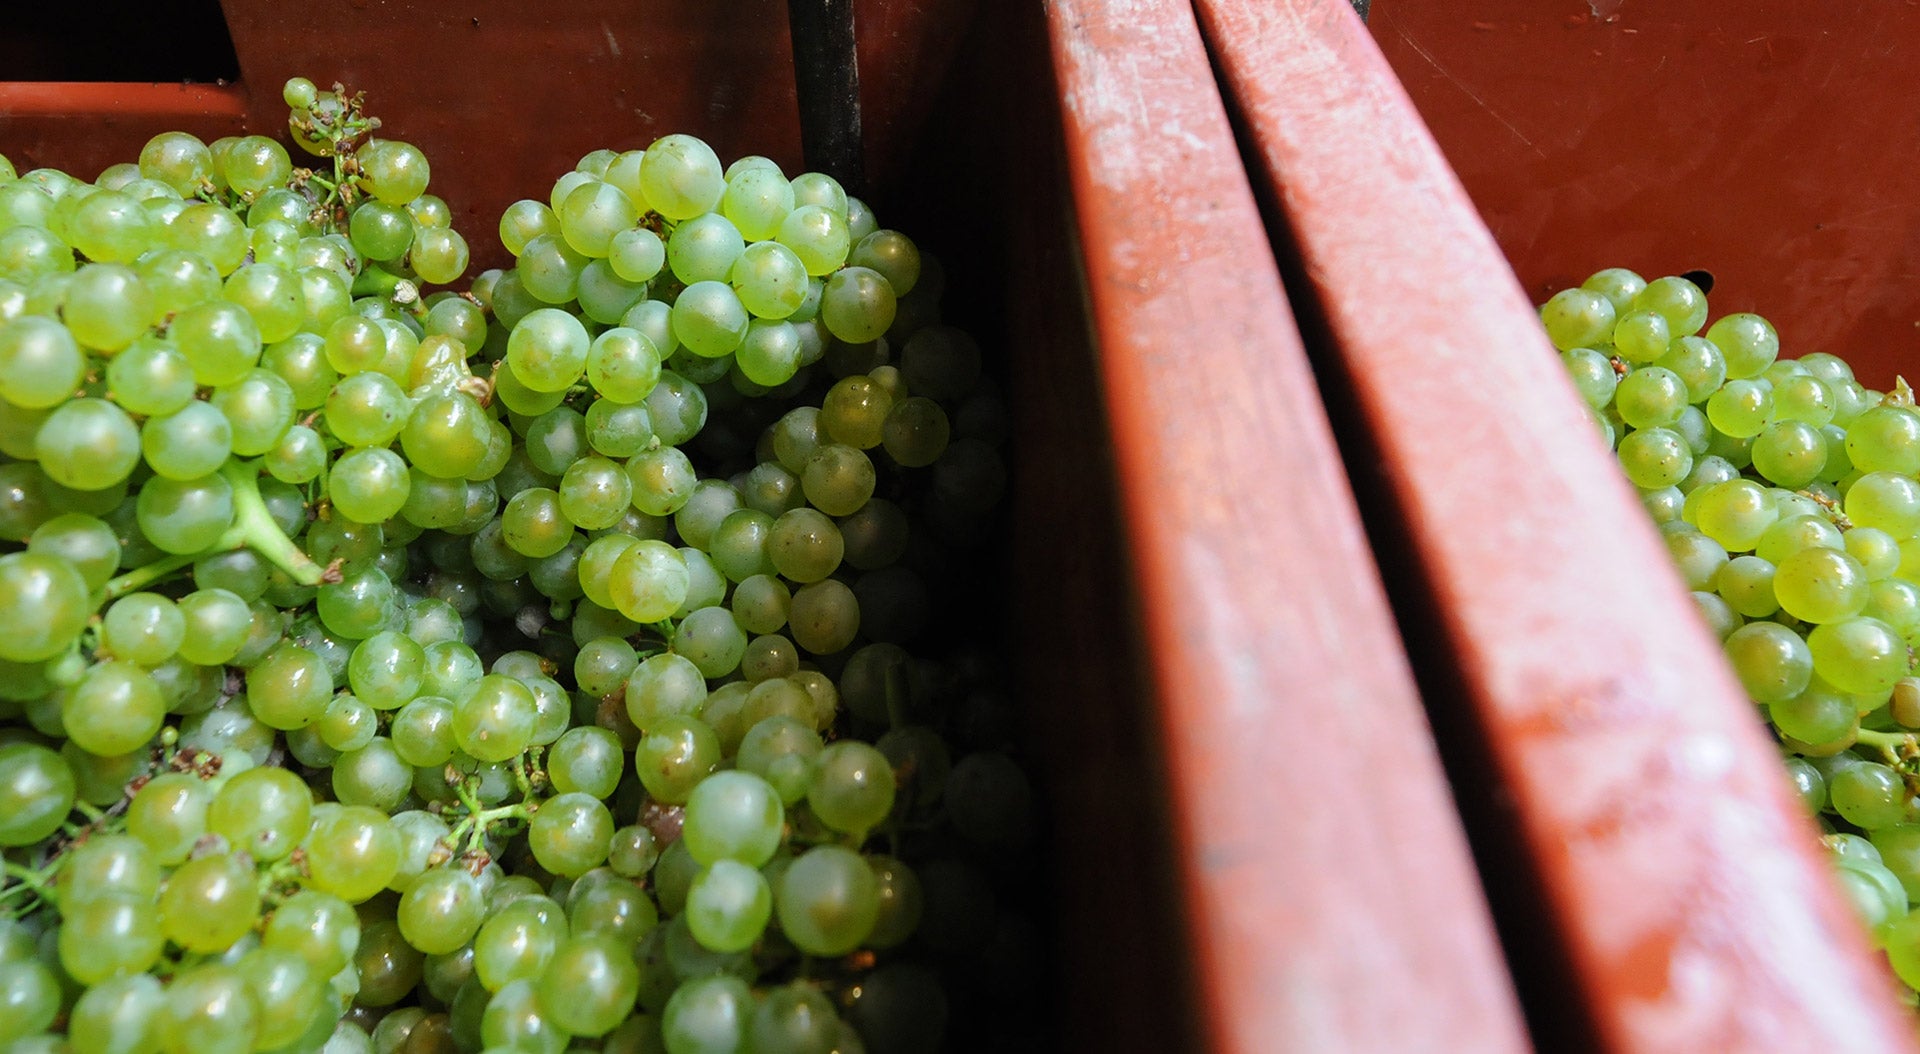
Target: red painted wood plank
{"x": 1754, "y": 138}
{"x": 504, "y": 95}
{"x": 1681, "y": 877}
{"x": 1329, "y": 899}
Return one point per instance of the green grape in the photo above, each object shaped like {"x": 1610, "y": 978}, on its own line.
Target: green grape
{"x": 290, "y": 997}
{"x": 273, "y": 295}
{"x": 87, "y": 444}
{"x": 586, "y": 760}
{"x": 31, "y": 1001}
{"x": 735, "y": 816}
{"x": 917, "y": 430}
{"x": 675, "y": 753}
{"x": 589, "y": 987}
{"x": 43, "y": 605}
{"x": 1790, "y": 534}
{"x": 548, "y": 350}
{"x": 857, "y": 305}
{"x": 114, "y": 709}
{"x": 1817, "y": 715}
{"x": 495, "y": 721}
{"x": 824, "y": 617}
{"x": 107, "y": 307}
{"x": 367, "y": 409}
{"x": 704, "y": 248}
{"x": 680, "y": 177}
{"x": 168, "y": 815}
{"x": 1860, "y": 655}
{"x": 570, "y": 834}
{"x": 264, "y": 811}
{"x": 827, "y": 901}
{"x": 1790, "y": 453}
{"x": 756, "y": 200}
{"x": 368, "y": 485}
{"x": 708, "y": 319}
{"x": 894, "y": 257}
{"x": 513, "y": 1021}
{"x": 1749, "y": 341}
{"x": 179, "y": 160}
{"x": 623, "y": 365}
{"x": 372, "y": 774}
{"x": 219, "y": 339}
{"x": 150, "y": 377}
{"x": 1741, "y": 408}
{"x": 852, "y": 789}
{"x": 209, "y": 903}
{"x": 516, "y": 942}
{"x": 817, "y": 235}
{"x": 260, "y": 409}
{"x": 728, "y": 906}
{"x": 1746, "y": 583}
{"x": 636, "y": 254}
{"x": 603, "y": 903}
{"x": 143, "y": 628}
{"x": 352, "y": 853}
{"x": 523, "y": 221}
{"x": 664, "y": 685}
{"x": 1820, "y": 585}
{"x": 1642, "y": 337}
{"x": 441, "y": 911}
{"x": 1592, "y": 374}
{"x": 380, "y": 231}
{"x": 1868, "y": 795}
{"x": 1736, "y": 513}
{"x": 648, "y": 582}
{"x": 761, "y": 603}
{"x": 838, "y": 479}
{"x": 534, "y": 525}
{"x": 709, "y": 637}
{"x": 289, "y": 687}
{"x": 1804, "y": 398}
{"x": 1888, "y": 501}
{"x": 187, "y": 444}
{"x": 548, "y": 271}
{"x": 1680, "y": 302}
{"x": 120, "y": 1015}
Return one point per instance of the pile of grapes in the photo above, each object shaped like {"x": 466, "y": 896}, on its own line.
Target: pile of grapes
{"x": 524, "y": 667}
{"x": 1789, "y": 497}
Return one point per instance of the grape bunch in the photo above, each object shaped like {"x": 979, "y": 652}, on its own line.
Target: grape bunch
{"x": 583, "y": 660}
{"x": 1788, "y": 495}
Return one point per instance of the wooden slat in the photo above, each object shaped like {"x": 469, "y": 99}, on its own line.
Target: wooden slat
{"x": 1685, "y": 892}
{"x": 1329, "y": 900}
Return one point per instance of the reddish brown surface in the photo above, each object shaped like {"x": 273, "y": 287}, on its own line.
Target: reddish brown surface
{"x": 504, "y": 95}
{"x": 1686, "y": 896}
{"x": 1768, "y": 141}
{"x": 1330, "y": 901}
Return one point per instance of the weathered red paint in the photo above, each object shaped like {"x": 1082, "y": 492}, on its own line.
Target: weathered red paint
{"x": 1767, "y": 141}
{"x": 1330, "y": 901}
{"x": 1679, "y": 876}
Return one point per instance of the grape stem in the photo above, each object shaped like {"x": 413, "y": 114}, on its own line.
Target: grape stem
{"x": 478, "y": 819}
{"x": 253, "y": 527}
{"x": 258, "y": 531}
{"x": 35, "y": 882}
{"x": 1894, "y": 745}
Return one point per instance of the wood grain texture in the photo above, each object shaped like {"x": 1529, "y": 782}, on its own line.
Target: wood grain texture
{"x": 1329, "y": 899}
{"x": 1680, "y": 878}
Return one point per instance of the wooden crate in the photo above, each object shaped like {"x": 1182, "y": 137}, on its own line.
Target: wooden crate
{"x": 1658, "y": 886}
{"x": 1252, "y": 844}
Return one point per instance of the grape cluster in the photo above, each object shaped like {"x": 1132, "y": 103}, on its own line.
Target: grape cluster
{"x": 1788, "y": 494}
{"x": 522, "y": 668}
